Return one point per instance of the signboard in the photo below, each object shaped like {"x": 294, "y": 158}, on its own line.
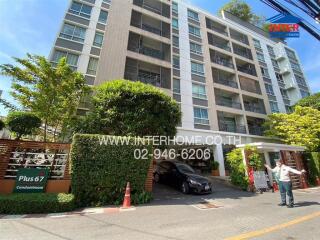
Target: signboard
{"x": 284, "y": 26}
{"x": 31, "y": 180}
{"x": 260, "y": 180}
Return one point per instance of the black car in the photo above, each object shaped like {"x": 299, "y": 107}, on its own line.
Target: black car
{"x": 181, "y": 176}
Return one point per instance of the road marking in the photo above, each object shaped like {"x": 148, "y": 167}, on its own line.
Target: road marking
{"x": 274, "y": 228}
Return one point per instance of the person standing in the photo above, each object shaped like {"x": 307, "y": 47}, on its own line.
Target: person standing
{"x": 285, "y": 185}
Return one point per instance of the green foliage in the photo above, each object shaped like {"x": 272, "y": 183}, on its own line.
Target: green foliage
{"x": 313, "y": 164}
{"x": 2, "y": 125}
{"x": 243, "y": 11}
{"x": 254, "y": 157}
{"x": 51, "y": 92}
{"x": 238, "y": 169}
{"x": 126, "y": 108}
{"x": 214, "y": 165}
{"x": 301, "y": 127}
{"x": 312, "y": 101}
{"x": 101, "y": 170}
{"x": 26, "y": 203}
{"x": 23, "y": 123}
{"x": 141, "y": 198}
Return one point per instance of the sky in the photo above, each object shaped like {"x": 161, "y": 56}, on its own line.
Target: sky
{"x": 31, "y": 26}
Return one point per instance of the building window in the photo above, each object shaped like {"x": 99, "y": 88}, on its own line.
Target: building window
{"x": 106, "y": 1}
{"x": 73, "y": 32}
{"x": 304, "y": 93}
{"x": 197, "y": 68}
{"x": 175, "y": 7}
{"x": 270, "y": 50}
{"x": 194, "y": 30}
{"x": 275, "y": 63}
{"x": 284, "y": 93}
{"x": 279, "y": 77}
{"x": 200, "y": 115}
{"x": 193, "y": 15}
{"x": 199, "y": 91}
{"x": 103, "y": 17}
{"x": 269, "y": 89}
{"x": 195, "y": 48}
{"x": 175, "y": 41}
{"x": 98, "y": 39}
{"x": 176, "y": 86}
{"x": 176, "y": 62}
{"x": 274, "y": 106}
{"x": 260, "y": 57}
{"x": 265, "y": 72}
{"x": 72, "y": 59}
{"x": 300, "y": 80}
{"x": 175, "y": 23}
{"x": 80, "y": 9}
{"x": 92, "y": 66}
{"x": 256, "y": 43}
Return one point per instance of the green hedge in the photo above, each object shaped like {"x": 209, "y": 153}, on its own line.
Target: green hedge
{"x": 313, "y": 164}
{"x": 26, "y": 203}
{"x": 100, "y": 171}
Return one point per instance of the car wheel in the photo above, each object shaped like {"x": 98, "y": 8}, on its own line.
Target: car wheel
{"x": 156, "y": 178}
{"x": 185, "y": 188}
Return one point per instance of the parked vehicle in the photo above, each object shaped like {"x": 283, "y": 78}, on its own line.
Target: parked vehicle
{"x": 182, "y": 177}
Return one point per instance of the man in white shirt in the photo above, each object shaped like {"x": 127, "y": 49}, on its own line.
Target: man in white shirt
{"x": 285, "y": 185}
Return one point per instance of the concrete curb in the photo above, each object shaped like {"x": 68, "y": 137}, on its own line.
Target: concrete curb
{"x": 81, "y": 212}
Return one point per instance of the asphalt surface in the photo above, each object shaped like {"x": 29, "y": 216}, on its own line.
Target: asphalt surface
{"x": 176, "y": 216}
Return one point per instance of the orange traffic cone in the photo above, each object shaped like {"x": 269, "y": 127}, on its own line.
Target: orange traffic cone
{"x": 318, "y": 181}
{"x": 275, "y": 186}
{"x": 127, "y": 197}
{"x": 304, "y": 184}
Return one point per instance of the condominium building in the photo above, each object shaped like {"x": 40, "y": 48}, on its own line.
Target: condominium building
{"x": 226, "y": 74}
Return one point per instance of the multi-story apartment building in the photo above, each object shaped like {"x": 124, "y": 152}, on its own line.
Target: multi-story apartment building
{"x": 226, "y": 74}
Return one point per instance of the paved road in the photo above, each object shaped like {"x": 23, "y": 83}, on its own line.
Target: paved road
{"x": 171, "y": 215}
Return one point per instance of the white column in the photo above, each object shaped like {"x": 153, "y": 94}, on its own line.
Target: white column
{"x": 218, "y": 156}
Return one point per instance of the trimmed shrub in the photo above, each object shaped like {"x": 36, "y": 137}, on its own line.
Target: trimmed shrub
{"x": 23, "y": 123}
{"x": 101, "y": 170}
{"x": 26, "y": 203}
{"x": 238, "y": 170}
{"x": 313, "y": 165}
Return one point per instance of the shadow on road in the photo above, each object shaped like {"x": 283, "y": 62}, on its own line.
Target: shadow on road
{"x": 305, "y": 204}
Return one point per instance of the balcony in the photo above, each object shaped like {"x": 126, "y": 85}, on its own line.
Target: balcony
{"x": 252, "y": 104}
{"x": 255, "y": 126}
{"x": 217, "y": 27}
{"x": 150, "y": 24}
{"x": 246, "y": 67}
{"x": 218, "y": 42}
{"x": 229, "y": 122}
{"x": 154, "y": 6}
{"x": 227, "y": 99}
{"x": 147, "y": 73}
{"x": 140, "y": 44}
{"x": 249, "y": 85}
{"x": 221, "y": 59}
{"x": 242, "y": 51}
{"x": 239, "y": 36}
{"x": 224, "y": 78}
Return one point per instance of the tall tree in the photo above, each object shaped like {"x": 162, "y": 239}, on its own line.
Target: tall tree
{"x": 127, "y": 108}
{"x": 243, "y": 11}
{"x": 51, "y": 92}
{"x": 301, "y": 127}
{"x": 311, "y": 101}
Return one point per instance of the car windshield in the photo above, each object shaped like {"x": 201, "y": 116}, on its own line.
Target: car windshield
{"x": 185, "y": 168}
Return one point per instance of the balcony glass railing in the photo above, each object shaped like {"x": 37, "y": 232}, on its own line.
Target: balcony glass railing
{"x": 227, "y": 127}
{"x": 222, "y": 61}
{"x": 201, "y": 121}
{"x": 242, "y": 53}
{"x": 226, "y": 82}
{"x": 228, "y": 103}
{"x": 250, "y": 107}
{"x": 134, "y": 74}
{"x": 247, "y": 70}
{"x": 151, "y": 29}
{"x": 221, "y": 45}
{"x": 155, "y": 53}
{"x": 256, "y": 130}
